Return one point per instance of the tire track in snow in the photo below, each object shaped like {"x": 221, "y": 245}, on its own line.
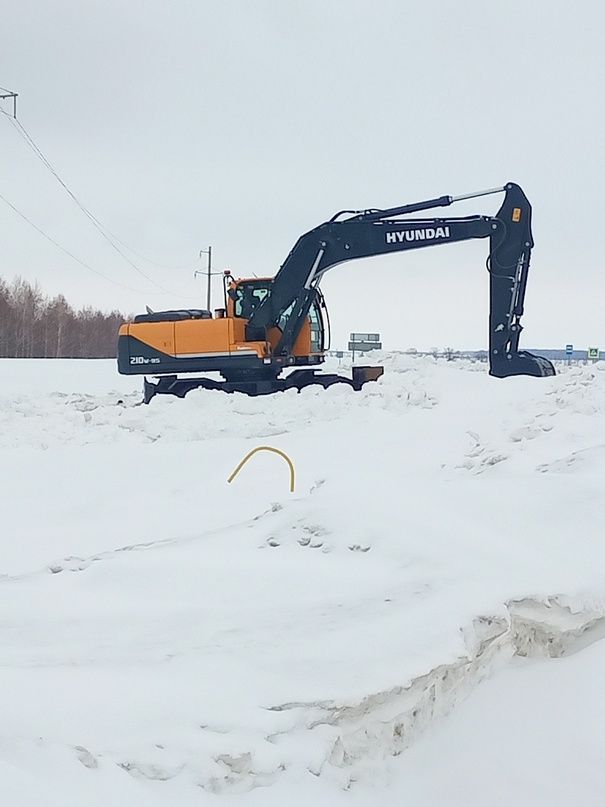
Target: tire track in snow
{"x": 75, "y": 563}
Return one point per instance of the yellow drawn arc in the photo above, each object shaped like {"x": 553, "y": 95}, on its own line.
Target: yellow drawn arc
{"x": 265, "y": 448}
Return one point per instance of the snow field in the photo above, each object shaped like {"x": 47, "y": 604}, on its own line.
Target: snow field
{"x": 170, "y": 638}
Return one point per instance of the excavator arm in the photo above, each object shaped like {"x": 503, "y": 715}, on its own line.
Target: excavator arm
{"x": 380, "y": 232}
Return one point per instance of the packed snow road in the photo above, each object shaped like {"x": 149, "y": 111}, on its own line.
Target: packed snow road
{"x": 386, "y": 634}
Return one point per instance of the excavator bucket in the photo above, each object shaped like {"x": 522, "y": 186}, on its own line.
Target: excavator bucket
{"x": 522, "y": 363}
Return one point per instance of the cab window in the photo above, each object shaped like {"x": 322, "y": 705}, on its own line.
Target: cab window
{"x": 248, "y": 297}
{"x": 317, "y": 331}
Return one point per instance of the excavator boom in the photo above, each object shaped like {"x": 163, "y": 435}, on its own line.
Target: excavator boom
{"x": 379, "y": 232}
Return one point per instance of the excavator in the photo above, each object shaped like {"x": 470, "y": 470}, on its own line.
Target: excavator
{"x": 273, "y": 333}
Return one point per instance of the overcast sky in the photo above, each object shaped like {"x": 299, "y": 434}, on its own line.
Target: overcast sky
{"x": 244, "y": 123}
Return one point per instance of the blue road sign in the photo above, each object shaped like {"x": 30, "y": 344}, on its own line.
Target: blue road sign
{"x": 569, "y": 349}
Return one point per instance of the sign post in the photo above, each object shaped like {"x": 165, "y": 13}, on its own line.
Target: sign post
{"x": 362, "y": 342}
{"x": 569, "y": 353}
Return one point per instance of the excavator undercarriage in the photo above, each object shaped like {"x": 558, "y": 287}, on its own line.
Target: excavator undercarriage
{"x": 297, "y": 379}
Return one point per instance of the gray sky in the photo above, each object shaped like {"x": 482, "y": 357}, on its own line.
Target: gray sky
{"x": 242, "y": 124}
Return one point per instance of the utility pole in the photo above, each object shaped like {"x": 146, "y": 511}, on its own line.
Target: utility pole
{"x": 207, "y": 252}
{"x": 8, "y": 94}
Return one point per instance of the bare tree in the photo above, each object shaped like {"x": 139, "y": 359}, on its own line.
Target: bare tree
{"x": 33, "y": 326}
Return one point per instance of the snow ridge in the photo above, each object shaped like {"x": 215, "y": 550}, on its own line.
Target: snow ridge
{"x": 387, "y": 723}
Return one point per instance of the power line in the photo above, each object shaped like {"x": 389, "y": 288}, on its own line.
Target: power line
{"x": 105, "y": 233}
{"x": 149, "y": 260}
{"x": 60, "y": 246}
{"x": 67, "y": 251}
{"x": 96, "y": 223}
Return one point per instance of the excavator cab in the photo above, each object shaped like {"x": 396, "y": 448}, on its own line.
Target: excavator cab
{"x": 245, "y": 296}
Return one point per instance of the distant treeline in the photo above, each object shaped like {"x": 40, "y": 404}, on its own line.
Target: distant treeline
{"x": 34, "y": 326}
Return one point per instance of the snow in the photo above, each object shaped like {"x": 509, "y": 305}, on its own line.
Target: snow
{"x": 418, "y": 623}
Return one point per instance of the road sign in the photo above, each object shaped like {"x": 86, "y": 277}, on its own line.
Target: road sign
{"x": 593, "y": 353}
{"x": 569, "y": 350}
{"x": 365, "y": 337}
{"x": 362, "y": 342}
{"x": 363, "y": 347}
